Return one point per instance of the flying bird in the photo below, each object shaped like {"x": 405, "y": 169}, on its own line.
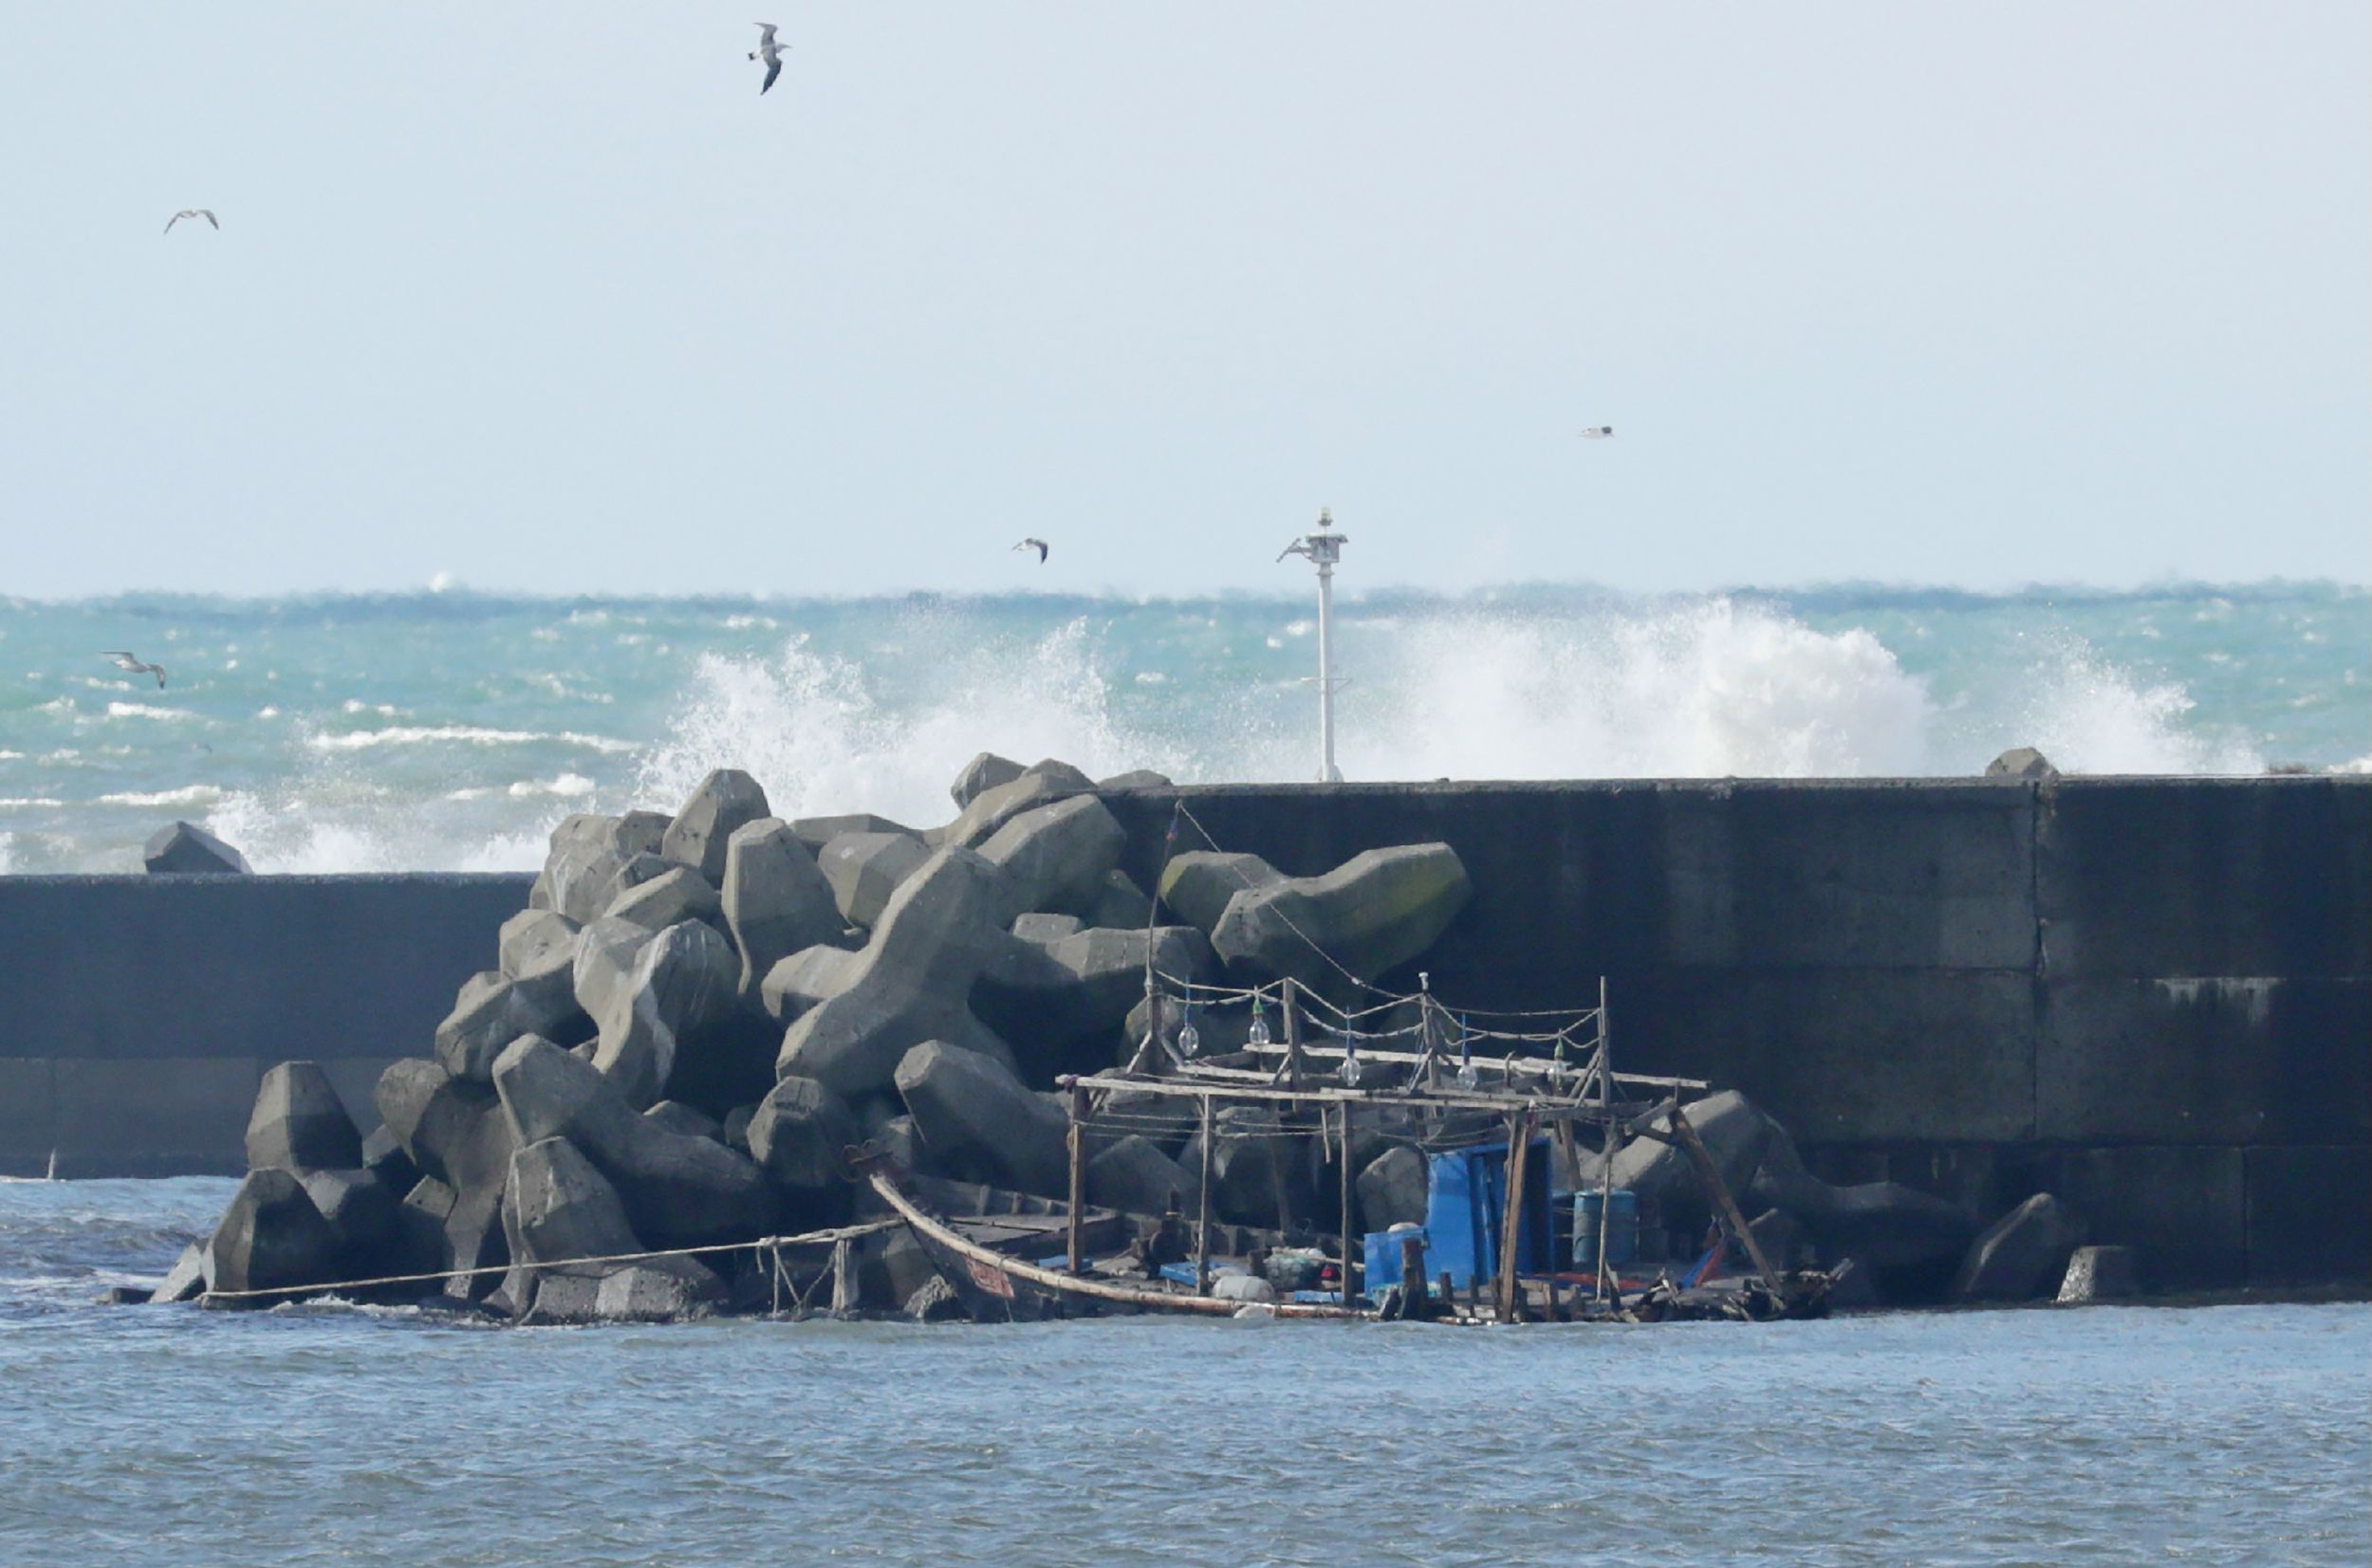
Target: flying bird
{"x": 1597, "y": 433}
{"x": 206, "y": 212}
{"x": 769, "y": 51}
{"x": 1037, "y": 544}
{"x": 131, "y": 662}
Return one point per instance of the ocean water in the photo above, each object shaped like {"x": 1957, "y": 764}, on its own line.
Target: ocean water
{"x": 451, "y": 731}
{"x": 332, "y": 1435}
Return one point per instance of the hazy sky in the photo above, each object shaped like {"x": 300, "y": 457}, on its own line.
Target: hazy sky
{"x": 547, "y": 297}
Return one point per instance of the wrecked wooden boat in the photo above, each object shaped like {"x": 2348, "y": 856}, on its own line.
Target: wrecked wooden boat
{"x": 1487, "y": 1123}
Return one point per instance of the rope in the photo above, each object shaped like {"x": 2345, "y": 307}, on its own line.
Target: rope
{"x": 809, "y": 1238}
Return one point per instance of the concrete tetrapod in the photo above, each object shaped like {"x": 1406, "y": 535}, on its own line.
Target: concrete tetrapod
{"x": 1883, "y": 1225}
{"x": 1038, "y": 785}
{"x": 537, "y": 952}
{"x": 975, "y": 1116}
{"x": 678, "y": 1191}
{"x": 299, "y": 1122}
{"x": 804, "y": 979}
{"x": 1258, "y": 1175}
{"x": 359, "y": 1206}
{"x": 454, "y": 1132}
{"x": 910, "y": 984}
{"x": 1379, "y": 909}
{"x": 1198, "y": 884}
{"x": 1393, "y": 1189}
{"x": 586, "y": 853}
{"x": 685, "y": 980}
{"x": 724, "y": 801}
{"x": 1134, "y": 1176}
{"x": 1056, "y": 857}
{"x": 271, "y": 1236}
{"x": 675, "y": 895}
{"x": 606, "y": 951}
{"x": 865, "y": 869}
{"x": 1082, "y": 984}
{"x": 2020, "y": 1255}
{"x": 799, "y": 1135}
{"x": 185, "y": 849}
{"x": 1734, "y": 1132}
{"x": 491, "y": 1011}
{"x": 775, "y": 899}
{"x": 980, "y": 775}
{"x": 557, "y": 1207}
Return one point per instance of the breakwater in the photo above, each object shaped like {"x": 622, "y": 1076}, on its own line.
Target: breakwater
{"x": 2151, "y": 997}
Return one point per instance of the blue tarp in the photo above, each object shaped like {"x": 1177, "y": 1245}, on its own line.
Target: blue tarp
{"x": 1466, "y": 1195}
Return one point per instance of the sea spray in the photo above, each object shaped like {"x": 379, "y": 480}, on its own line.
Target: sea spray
{"x": 451, "y": 731}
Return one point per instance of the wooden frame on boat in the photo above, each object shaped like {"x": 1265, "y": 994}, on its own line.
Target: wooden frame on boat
{"x": 1531, "y": 1095}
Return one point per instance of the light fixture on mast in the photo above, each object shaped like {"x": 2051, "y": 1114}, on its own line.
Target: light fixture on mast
{"x": 1322, "y": 548}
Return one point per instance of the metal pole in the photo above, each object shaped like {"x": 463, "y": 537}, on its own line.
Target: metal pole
{"x": 1322, "y": 548}
{"x": 1328, "y": 772}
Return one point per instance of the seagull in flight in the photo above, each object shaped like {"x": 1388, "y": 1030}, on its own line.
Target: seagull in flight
{"x": 769, "y": 51}
{"x": 1037, "y": 544}
{"x": 1597, "y": 433}
{"x": 206, "y": 212}
{"x": 132, "y": 662}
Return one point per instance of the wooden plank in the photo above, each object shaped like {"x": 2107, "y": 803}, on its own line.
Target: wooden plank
{"x": 1447, "y": 1101}
{"x": 1077, "y": 1177}
{"x": 1202, "y": 1212}
{"x": 1717, "y": 1190}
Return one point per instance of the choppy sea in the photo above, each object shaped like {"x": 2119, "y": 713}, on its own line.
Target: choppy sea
{"x": 321, "y": 1435}
{"x": 450, "y": 730}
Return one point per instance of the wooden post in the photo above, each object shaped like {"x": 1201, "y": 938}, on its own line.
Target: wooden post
{"x": 1293, "y": 1020}
{"x": 1351, "y": 1258}
{"x": 843, "y": 1278}
{"x": 1709, "y": 1177}
{"x": 1413, "y": 1277}
{"x": 1519, "y": 1148}
{"x": 1606, "y": 1207}
{"x": 1202, "y": 1212}
{"x": 1449, "y": 1296}
{"x": 1077, "y": 1176}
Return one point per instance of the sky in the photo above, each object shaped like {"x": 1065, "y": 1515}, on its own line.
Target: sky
{"x": 549, "y": 298}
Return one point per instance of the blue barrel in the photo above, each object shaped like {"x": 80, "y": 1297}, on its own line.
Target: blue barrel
{"x": 1621, "y": 1230}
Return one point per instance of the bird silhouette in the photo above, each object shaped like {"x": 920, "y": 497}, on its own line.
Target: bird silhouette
{"x": 769, "y": 51}
{"x": 132, "y": 662}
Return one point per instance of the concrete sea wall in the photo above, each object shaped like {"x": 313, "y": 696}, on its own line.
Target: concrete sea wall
{"x": 2153, "y": 997}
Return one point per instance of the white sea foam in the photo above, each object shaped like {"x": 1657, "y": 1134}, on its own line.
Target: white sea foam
{"x": 146, "y": 710}
{"x": 189, "y": 797}
{"x": 461, "y": 735}
{"x": 879, "y": 714}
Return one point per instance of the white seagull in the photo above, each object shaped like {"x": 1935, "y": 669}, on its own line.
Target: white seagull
{"x": 1597, "y": 433}
{"x": 769, "y": 51}
{"x": 131, "y": 662}
{"x": 206, "y": 212}
{"x": 1037, "y": 544}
